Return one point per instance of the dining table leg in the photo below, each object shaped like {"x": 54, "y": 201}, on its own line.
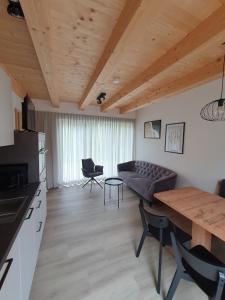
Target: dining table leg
{"x": 200, "y": 236}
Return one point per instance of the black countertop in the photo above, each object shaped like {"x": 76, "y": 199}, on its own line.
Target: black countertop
{"x": 9, "y": 231}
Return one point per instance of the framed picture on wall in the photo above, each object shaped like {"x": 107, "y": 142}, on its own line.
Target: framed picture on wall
{"x": 152, "y": 129}
{"x": 174, "y": 138}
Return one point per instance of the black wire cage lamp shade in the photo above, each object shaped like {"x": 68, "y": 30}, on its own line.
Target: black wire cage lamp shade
{"x": 215, "y": 110}
{"x": 14, "y": 9}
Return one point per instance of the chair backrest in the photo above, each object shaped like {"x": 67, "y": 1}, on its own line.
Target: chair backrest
{"x": 88, "y": 165}
{"x": 151, "y": 219}
{"x": 205, "y": 269}
{"x": 222, "y": 188}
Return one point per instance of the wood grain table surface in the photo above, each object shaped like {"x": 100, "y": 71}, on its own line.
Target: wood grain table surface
{"x": 206, "y": 211}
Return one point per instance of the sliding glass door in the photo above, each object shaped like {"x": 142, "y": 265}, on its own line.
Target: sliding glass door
{"x": 108, "y": 141}
{"x": 69, "y": 138}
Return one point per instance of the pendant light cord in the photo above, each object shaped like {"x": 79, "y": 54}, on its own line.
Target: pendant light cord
{"x": 222, "y": 77}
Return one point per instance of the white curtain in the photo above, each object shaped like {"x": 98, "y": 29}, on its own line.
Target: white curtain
{"x": 108, "y": 141}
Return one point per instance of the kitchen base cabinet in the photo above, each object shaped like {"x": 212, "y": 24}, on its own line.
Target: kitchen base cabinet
{"x": 41, "y": 213}
{"x": 10, "y": 280}
{"x": 27, "y": 245}
{"x": 18, "y": 271}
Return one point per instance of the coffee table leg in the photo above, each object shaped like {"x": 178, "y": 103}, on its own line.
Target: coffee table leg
{"x": 104, "y": 193}
{"x": 200, "y": 236}
{"x": 118, "y": 188}
{"x": 122, "y": 191}
{"x": 110, "y": 192}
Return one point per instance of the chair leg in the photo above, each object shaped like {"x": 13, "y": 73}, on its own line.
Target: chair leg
{"x": 91, "y": 184}
{"x": 86, "y": 183}
{"x": 141, "y": 243}
{"x": 176, "y": 279}
{"x": 98, "y": 183}
{"x": 159, "y": 268}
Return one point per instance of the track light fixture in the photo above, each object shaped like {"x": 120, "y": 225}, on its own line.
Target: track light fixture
{"x": 14, "y": 9}
{"x": 101, "y": 98}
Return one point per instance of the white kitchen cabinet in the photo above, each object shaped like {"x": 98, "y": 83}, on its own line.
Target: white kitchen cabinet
{"x": 41, "y": 213}
{"x": 27, "y": 251}
{"x": 6, "y": 111}
{"x": 21, "y": 262}
{"x": 10, "y": 275}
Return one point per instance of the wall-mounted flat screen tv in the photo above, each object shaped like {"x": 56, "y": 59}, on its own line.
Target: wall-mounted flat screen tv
{"x": 28, "y": 114}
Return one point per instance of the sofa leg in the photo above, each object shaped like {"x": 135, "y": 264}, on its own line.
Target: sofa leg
{"x": 141, "y": 202}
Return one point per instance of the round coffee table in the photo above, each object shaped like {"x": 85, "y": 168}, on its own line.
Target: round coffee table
{"x": 117, "y": 182}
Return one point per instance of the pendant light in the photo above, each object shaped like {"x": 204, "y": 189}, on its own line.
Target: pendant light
{"x": 215, "y": 110}
{"x": 14, "y": 9}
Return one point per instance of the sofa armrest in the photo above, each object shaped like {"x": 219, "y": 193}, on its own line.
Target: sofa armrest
{"x": 165, "y": 183}
{"x": 127, "y": 166}
{"x": 99, "y": 168}
{"x": 161, "y": 185}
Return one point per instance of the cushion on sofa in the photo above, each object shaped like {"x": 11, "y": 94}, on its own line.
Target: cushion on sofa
{"x": 139, "y": 185}
{"x": 125, "y": 175}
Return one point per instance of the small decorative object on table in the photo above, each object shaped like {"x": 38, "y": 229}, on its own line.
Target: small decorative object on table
{"x": 114, "y": 181}
{"x": 152, "y": 129}
{"x": 174, "y": 139}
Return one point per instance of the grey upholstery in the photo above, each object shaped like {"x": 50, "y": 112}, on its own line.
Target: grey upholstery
{"x": 146, "y": 178}
{"x": 90, "y": 170}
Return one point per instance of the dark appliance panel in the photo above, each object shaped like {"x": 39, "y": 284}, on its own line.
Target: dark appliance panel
{"x": 13, "y": 176}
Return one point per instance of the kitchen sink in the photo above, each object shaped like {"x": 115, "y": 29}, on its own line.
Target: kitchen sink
{"x": 10, "y": 208}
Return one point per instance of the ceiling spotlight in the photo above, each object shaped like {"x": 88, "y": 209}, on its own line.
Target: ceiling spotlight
{"x": 116, "y": 80}
{"x": 100, "y": 98}
{"x": 14, "y": 9}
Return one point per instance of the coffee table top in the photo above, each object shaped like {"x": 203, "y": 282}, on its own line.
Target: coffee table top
{"x": 114, "y": 181}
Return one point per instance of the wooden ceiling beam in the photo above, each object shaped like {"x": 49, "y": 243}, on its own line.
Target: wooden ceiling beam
{"x": 124, "y": 20}
{"x": 205, "y": 31}
{"x": 199, "y": 76}
{"x": 17, "y": 87}
{"x": 37, "y": 16}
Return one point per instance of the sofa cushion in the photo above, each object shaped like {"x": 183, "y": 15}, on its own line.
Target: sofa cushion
{"x": 139, "y": 184}
{"x": 154, "y": 172}
{"x": 129, "y": 174}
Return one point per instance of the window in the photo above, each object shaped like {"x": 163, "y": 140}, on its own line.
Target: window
{"x": 108, "y": 141}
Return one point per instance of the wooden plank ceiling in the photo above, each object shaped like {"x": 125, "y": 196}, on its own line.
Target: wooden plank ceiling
{"x": 73, "y": 50}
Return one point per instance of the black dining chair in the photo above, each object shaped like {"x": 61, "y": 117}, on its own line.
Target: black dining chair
{"x": 158, "y": 227}
{"x": 222, "y": 188}
{"x": 200, "y": 266}
{"x": 90, "y": 170}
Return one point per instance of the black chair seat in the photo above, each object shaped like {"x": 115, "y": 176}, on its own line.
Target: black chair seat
{"x": 208, "y": 286}
{"x": 166, "y": 241}
{"x": 94, "y": 174}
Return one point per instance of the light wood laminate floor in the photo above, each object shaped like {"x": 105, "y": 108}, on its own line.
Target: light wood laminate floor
{"x": 88, "y": 252}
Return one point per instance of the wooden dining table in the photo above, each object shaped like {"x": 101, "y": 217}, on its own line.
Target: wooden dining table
{"x": 205, "y": 210}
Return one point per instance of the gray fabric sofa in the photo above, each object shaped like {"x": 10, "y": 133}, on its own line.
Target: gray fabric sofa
{"x": 146, "y": 178}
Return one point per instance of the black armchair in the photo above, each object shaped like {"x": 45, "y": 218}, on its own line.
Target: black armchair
{"x": 90, "y": 170}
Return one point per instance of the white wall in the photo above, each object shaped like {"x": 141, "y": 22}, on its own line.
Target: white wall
{"x": 203, "y": 161}
{"x": 67, "y": 107}
{"x": 8, "y": 102}
{"x": 6, "y": 110}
